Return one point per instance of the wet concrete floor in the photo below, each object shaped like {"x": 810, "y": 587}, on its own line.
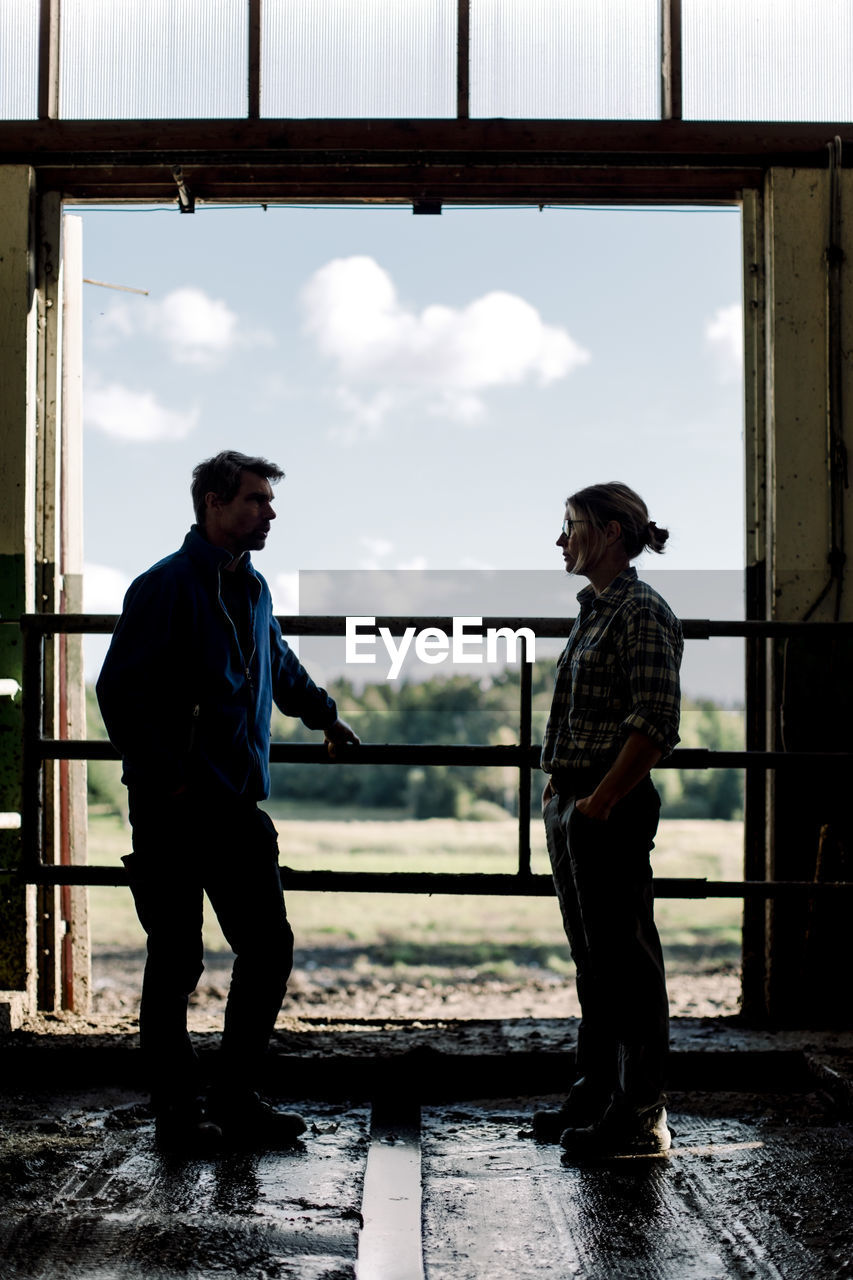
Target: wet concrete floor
{"x": 86, "y": 1195}
{"x": 756, "y": 1185}
{"x": 753, "y": 1187}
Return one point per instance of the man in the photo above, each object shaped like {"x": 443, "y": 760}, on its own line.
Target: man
{"x": 615, "y": 714}
{"x": 186, "y": 693}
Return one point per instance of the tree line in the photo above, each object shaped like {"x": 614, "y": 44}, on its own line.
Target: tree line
{"x": 458, "y": 710}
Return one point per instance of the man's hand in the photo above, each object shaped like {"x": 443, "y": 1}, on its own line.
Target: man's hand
{"x": 547, "y": 794}
{"x": 340, "y": 734}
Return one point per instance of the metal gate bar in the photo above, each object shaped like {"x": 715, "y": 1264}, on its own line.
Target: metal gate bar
{"x": 523, "y": 756}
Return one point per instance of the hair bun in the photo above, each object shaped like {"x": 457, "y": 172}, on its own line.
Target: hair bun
{"x": 657, "y": 538}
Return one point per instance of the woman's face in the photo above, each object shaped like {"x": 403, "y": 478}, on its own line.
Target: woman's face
{"x": 571, "y": 542}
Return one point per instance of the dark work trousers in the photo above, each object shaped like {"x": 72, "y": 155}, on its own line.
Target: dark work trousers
{"x": 183, "y": 847}
{"x": 603, "y": 879}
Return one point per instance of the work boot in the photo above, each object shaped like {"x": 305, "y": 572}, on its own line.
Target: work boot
{"x": 621, "y": 1131}
{"x": 185, "y": 1128}
{"x": 250, "y": 1123}
{"x": 582, "y": 1107}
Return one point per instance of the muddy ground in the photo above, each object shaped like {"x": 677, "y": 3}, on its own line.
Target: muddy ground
{"x": 341, "y": 983}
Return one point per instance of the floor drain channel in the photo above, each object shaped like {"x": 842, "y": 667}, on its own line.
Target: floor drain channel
{"x": 390, "y": 1246}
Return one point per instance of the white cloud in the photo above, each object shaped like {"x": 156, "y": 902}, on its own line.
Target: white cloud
{"x": 377, "y": 552}
{"x": 724, "y": 339}
{"x": 196, "y": 328}
{"x": 103, "y": 588}
{"x": 284, "y": 589}
{"x": 364, "y": 414}
{"x": 134, "y": 415}
{"x": 450, "y": 354}
{"x": 461, "y": 406}
{"x": 380, "y": 548}
{"x": 103, "y": 592}
{"x": 113, "y": 324}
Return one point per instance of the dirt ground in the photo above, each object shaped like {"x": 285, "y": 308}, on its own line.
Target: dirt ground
{"x": 341, "y": 984}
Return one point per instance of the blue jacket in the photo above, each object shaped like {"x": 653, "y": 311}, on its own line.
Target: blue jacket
{"x": 181, "y": 702}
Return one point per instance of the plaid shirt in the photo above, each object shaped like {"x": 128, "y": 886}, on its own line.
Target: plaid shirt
{"x": 618, "y": 672}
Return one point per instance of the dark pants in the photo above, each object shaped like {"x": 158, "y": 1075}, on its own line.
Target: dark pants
{"x": 184, "y": 847}
{"x": 603, "y": 879}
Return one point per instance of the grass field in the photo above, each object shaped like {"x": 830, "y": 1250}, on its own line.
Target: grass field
{"x": 409, "y": 929}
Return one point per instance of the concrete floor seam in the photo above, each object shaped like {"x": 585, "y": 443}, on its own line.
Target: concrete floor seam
{"x": 391, "y": 1240}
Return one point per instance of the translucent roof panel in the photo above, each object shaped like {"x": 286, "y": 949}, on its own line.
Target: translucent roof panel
{"x": 356, "y": 58}
{"x": 550, "y": 59}
{"x": 19, "y": 33}
{"x": 161, "y": 59}
{"x": 768, "y": 59}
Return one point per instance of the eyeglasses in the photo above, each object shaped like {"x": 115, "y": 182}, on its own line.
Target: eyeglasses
{"x": 568, "y": 525}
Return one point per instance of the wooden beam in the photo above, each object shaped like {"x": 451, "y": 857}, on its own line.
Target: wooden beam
{"x": 493, "y": 184}
{"x": 69, "y": 142}
{"x": 466, "y": 161}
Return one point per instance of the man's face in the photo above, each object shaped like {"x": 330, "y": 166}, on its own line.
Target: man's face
{"x": 243, "y": 523}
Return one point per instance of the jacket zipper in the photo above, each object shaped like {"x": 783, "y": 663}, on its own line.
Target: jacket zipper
{"x": 247, "y": 668}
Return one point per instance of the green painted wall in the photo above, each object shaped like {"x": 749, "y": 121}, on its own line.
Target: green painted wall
{"x": 13, "y": 898}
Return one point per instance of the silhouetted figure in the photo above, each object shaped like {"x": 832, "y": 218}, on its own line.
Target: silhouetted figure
{"x": 615, "y": 713}
{"x": 186, "y": 693}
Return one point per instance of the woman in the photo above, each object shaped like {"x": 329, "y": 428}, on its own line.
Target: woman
{"x": 614, "y": 715}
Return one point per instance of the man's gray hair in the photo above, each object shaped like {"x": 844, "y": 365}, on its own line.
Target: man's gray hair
{"x": 223, "y": 476}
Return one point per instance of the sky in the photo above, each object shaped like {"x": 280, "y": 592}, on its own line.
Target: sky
{"x": 433, "y": 386}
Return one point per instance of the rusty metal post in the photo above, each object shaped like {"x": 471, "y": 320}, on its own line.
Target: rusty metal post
{"x": 524, "y": 771}
{"x": 753, "y": 974}
{"x": 73, "y": 815}
{"x": 47, "y": 554}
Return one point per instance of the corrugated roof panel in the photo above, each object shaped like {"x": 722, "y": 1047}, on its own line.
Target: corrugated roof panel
{"x": 180, "y": 59}
{"x": 355, "y": 58}
{"x": 548, "y": 59}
